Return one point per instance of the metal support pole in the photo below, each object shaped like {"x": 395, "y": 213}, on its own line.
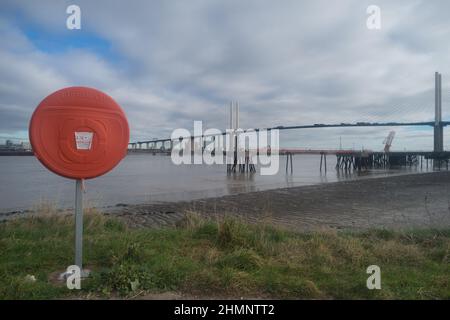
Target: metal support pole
{"x": 79, "y": 224}
{"x": 292, "y": 164}
{"x": 287, "y": 162}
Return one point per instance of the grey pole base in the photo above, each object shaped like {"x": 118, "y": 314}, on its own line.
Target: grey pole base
{"x": 79, "y": 224}
{"x": 84, "y": 274}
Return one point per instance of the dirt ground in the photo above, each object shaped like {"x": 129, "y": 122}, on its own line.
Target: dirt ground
{"x": 397, "y": 202}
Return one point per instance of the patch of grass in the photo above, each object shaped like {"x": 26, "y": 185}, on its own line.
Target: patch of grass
{"x": 241, "y": 259}
{"x": 222, "y": 257}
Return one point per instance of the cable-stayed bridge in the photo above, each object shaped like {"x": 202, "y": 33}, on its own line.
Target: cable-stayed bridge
{"x": 345, "y": 158}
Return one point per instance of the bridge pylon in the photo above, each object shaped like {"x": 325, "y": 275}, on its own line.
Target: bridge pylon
{"x": 438, "y": 126}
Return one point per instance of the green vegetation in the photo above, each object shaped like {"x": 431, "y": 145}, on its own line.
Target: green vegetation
{"x": 226, "y": 258}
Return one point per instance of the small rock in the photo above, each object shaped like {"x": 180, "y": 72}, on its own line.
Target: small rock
{"x": 121, "y": 205}
{"x": 30, "y": 278}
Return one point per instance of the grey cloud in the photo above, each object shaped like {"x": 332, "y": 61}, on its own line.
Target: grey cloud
{"x": 290, "y": 63}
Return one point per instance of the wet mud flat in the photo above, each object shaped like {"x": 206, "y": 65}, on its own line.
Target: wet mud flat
{"x": 397, "y": 202}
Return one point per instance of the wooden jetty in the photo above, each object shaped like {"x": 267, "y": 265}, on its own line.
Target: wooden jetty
{"x": 364, "y": 160}
{"x": 367, "y": 159}
{"x": 345, "y": 159}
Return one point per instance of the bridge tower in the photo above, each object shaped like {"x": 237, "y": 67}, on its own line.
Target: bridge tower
{"x": 438, "y": 127}
{"x": 234, "y": 125}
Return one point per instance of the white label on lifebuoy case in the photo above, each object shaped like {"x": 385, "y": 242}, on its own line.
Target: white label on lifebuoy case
{"x": 83, "y": 140}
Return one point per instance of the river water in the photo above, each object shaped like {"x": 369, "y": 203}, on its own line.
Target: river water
{"x": 143, "y": 178}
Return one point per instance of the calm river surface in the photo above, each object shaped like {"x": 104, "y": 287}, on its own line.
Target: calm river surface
{"x": 25, "y": 183}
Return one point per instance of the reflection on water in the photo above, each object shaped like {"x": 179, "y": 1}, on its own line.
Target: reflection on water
{"x": 147, "y": 178}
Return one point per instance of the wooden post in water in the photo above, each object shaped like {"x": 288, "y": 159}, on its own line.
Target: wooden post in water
{"x": 287, "y": 162}
{"x": 289, "y": 159}
{"x": 292, "y": 164}
{"x": 321, "y": 156}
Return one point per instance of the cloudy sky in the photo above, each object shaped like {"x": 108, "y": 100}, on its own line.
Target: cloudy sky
{"x": 170, "y": 62}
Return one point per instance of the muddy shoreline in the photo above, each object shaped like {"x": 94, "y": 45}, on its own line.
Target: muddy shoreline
{"x": 397, "y": 202}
